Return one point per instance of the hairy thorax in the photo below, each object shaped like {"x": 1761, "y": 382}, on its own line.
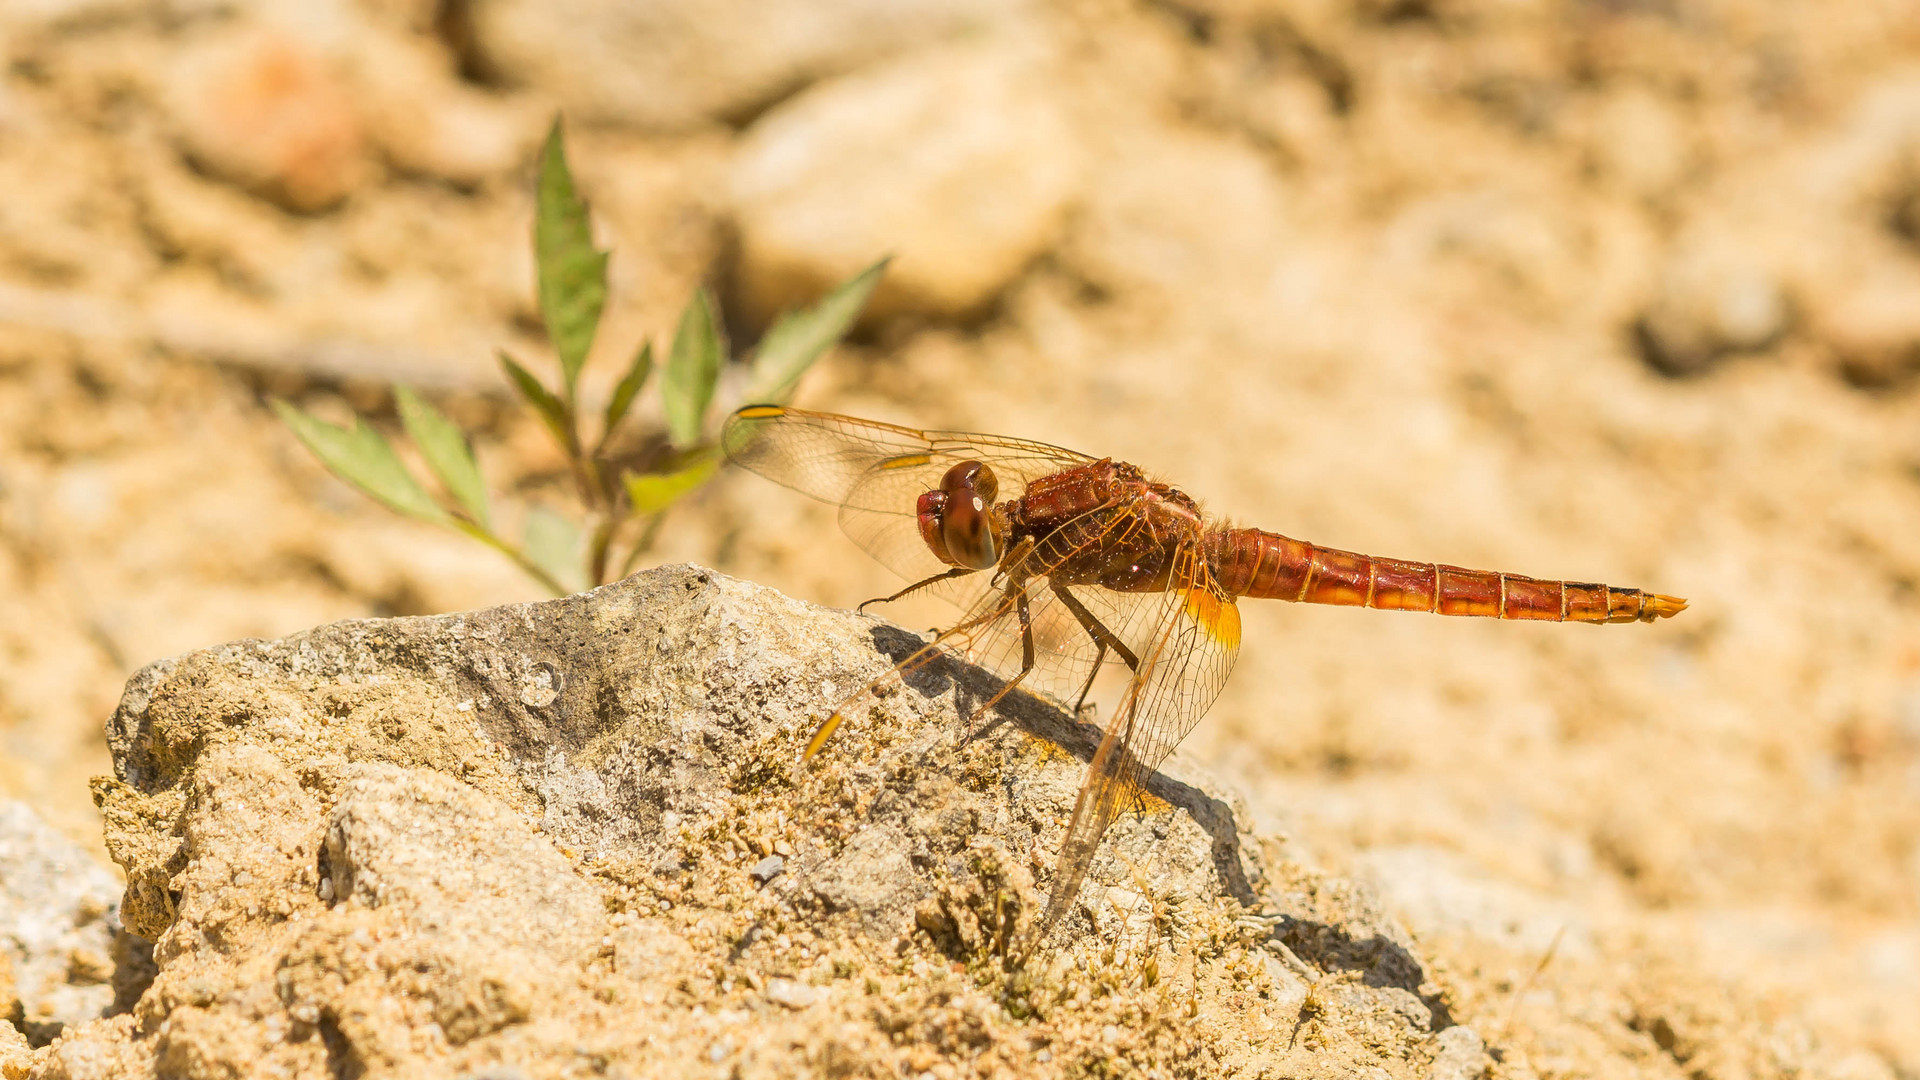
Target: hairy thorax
{"x": 1134, "y": 551}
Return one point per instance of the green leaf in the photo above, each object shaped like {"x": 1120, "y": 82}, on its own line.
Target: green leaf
{"x": 800, "y": 337}
{"x": 572, "y": 274}
{"x": 653, "y": 492}
{"x": 693, "y": 367}
{"x": 445, "y": 447}
{"x": 551, "y": 409}
{"x": 630, "y": 386}
{"x": 362, "y": 458}
{"x": 553, "y": 545}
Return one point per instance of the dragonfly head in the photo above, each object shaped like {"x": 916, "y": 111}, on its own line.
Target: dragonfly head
{"x": 956, "y": 520}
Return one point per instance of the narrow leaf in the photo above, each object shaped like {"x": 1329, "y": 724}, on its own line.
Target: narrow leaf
{"x": 629, "y": 388}
{"x": 551, "y": 409}
{"x": 572, "y": 273}
{"x": 445, "y": 447}
{"x": 651, "y": 493}
{"x": 361, "y": 457}
{"x": 553, "y": 545}
{"x": 693, "y": 367}
{"x": 800, "y": 337}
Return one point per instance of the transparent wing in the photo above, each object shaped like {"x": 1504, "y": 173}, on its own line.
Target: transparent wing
{"x": 1194, "y": 637}
{"x": 1065, "y": 650}
{"x": 875, "y": 472}
{"x": 990, "y": 633}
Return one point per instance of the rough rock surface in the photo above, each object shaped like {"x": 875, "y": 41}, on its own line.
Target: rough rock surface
{"x": 58, "y": 946}
{"x": 566, "y": 835}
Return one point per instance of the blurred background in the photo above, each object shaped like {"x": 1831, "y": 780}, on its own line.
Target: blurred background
{"x": 1621, "y": 290}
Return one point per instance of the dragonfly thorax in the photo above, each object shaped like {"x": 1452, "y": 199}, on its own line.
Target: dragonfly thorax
{"x": 957, "y": 519}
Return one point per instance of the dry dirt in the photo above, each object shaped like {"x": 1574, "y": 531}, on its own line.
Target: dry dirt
{"x": 1626, "y": 291}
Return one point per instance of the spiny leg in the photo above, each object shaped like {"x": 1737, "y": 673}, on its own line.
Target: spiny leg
{"x": 1027, "y": 656}
{"x": 1101, "y": 635}
{"x": 1106, "y": 639}
{"x": 1099, "y": 658}
{"x": 916, "y": 587}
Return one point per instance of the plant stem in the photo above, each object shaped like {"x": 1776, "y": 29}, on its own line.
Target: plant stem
{"x": 598, "y": 549}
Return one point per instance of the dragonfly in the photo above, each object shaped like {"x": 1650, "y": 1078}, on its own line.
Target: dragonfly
{"x": 1061, "y": 562}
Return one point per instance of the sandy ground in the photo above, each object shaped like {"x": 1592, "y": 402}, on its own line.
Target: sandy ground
{"x": 1615, "y": 291}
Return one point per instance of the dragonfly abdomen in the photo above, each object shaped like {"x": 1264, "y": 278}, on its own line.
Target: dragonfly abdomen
{"x": 1267, "y": 566}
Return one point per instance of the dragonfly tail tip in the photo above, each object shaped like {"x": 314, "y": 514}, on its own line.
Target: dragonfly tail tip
{"x": 1664, "y": 607}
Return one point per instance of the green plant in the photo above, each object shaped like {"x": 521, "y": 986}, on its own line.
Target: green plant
{"x": 622, "y": 505}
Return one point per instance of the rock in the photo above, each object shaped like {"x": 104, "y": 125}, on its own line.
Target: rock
{"x": 57, "y": 927}
{"x": 370, "y": 849}
{"x": 425, "y": 121}
{"x": 1458, "y": 1054}
{"x": 1715, "y": 296}
{"x": 1176, "y": 208}
{"x": 960, "y": 162}
{"x": 791, "y": 994}
{"x": 676, "y": 64}
{"x": 16, "y": 1054}
{"x": 1871, "y": 321}
{"x": 258, "y": 108}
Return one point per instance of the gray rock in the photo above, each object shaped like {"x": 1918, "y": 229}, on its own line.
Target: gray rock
{"x": 1458, "y": 1054}
{"x": 441, "y": 845}
{"x": 58, "y": 917}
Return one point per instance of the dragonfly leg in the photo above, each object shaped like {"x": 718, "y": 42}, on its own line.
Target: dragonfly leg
{"x": 1080, "y": 703}
{"x": 916, "y": 587}
{"x": 1106, "y": 639}
{"x": 1027, "y": 659}
{"x": 1101, "y": 636}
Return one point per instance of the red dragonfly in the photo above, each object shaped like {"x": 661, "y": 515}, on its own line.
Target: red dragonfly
{"x": 1061, "y": 562}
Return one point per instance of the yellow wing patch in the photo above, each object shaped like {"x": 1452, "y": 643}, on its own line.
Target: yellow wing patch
{"x": 905, "y": 461}
{"x": 1220, "y": 619}
{"x": 761, "y": 412}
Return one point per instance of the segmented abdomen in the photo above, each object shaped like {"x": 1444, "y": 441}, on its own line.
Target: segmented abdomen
{"x": 1264, "y": 565}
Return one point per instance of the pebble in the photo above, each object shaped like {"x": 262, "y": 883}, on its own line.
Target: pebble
{"x": 1459, "y": 1054}
{"x": 682, "y": 64}
{"x": 767, "y": 869}
{"x": 959, "y": 162}
{"x": 260, "y": 110}
{"x": 1714, "y": 298}
{"x": 791, "y": 994}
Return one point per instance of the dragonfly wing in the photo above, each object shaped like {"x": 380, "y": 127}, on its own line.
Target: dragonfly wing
{"x": 990, "y": 632}
{"x": 876, "y": 472}
{"x": 1065, "y": 650}
{"x": 1194, "y": 638}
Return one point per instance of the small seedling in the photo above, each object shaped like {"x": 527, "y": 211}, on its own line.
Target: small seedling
{"x": 622, "y": 507}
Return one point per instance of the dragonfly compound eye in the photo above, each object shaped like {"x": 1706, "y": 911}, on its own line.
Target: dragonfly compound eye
{"x": 931, "y": 508}
{"x": 966, "y": 521}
